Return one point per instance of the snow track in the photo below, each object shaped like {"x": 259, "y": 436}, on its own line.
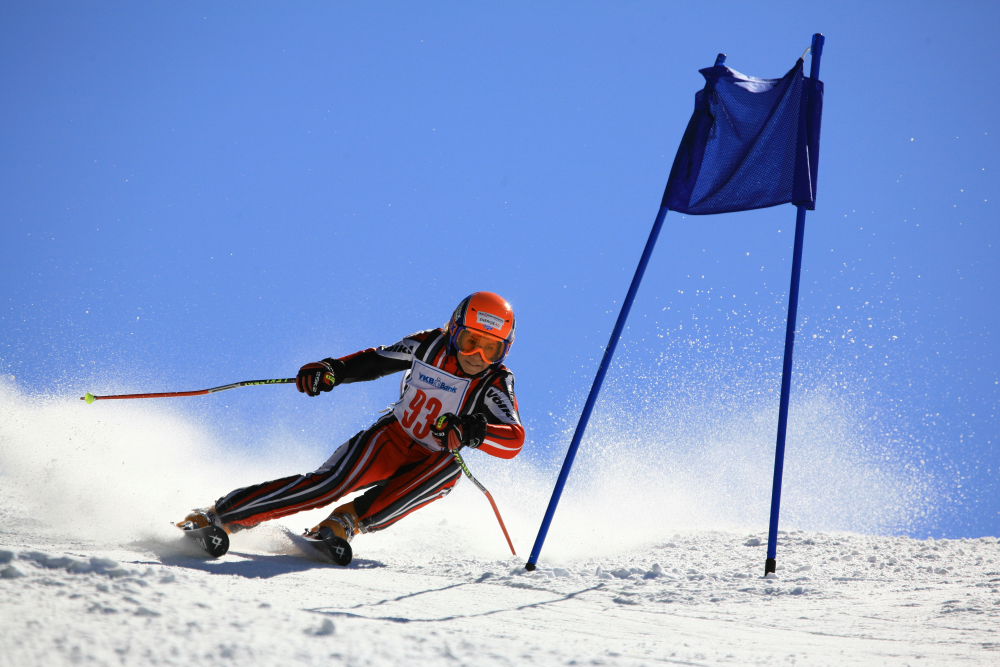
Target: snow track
{"x": 91, "y": 572}
{"x": 696, "y": 599}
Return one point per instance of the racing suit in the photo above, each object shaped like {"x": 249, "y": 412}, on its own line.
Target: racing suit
{"x": 402, "y": 466}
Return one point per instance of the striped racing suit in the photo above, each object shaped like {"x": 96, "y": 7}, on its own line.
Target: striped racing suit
{"x": 396, "y": 459}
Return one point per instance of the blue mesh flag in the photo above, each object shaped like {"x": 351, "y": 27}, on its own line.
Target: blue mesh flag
{"x": 750, "y": 143}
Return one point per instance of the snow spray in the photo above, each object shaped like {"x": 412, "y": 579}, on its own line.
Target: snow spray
{"x": 649, "y": 467}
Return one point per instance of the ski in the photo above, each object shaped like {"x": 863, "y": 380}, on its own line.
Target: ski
{"x": 326, "y": 547}
{"x": 214, "y": 540}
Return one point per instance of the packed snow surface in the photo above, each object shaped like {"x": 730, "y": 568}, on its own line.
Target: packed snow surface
{"x": 91, "y": 572}
{"x": 697, "y": 598}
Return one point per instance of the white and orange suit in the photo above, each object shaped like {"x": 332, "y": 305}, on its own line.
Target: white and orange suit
{"x": 403, "y": 467}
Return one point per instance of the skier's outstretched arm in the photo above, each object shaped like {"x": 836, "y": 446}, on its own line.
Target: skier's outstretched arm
{"x": 370, "y": 364}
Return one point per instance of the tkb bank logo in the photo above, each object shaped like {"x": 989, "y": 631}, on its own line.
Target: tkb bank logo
{"x": 437, "y": 383}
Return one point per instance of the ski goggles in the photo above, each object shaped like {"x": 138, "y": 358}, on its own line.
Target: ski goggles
{"x": 490, "y": 348}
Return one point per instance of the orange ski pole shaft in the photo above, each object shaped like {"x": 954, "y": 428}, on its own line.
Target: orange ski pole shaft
{"x": 489, "y": 496}
{"x": 90, "y": 398}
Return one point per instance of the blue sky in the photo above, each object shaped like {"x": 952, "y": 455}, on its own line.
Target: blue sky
{"x": 199, "y": 193}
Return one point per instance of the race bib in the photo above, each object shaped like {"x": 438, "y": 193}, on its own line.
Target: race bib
{"x": 428, "y": 392}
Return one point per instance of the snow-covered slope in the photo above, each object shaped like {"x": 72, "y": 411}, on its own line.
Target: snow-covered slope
{"x": 91, "y": 572}
{"x": 697, "y": 598}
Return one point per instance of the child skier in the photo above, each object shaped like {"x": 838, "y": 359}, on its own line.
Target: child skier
{"x": 455, "y": 385}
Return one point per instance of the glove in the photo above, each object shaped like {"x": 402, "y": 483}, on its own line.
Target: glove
{"x": 468, "y": 430}
{"x": 315, "y": 377}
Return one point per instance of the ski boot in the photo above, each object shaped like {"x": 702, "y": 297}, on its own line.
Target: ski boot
{"x": 332, "y": 536}
{"x": 201, "y": 518}
{"x": 343, "y": 523}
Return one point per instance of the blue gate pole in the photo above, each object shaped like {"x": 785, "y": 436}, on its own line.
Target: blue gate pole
{"x": 588, "y": 407}
{"x": 786, "y": 386}
{"x": 786, "y": 371}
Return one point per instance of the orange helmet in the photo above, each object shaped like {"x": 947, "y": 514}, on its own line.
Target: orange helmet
{"x": 483, "y": 323}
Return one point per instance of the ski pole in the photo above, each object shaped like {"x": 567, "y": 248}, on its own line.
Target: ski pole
{"x": 468, "y": 473}
{"x": 90, "y": 398}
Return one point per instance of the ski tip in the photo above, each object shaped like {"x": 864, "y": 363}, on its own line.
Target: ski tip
{"x": 338, "y": 549}
{"x": 214, "y": 540}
